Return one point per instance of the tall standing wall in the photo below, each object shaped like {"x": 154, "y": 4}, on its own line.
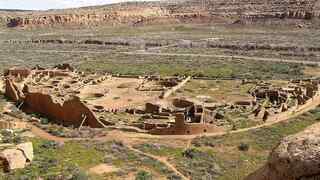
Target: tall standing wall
{"x": 71, "y": 113}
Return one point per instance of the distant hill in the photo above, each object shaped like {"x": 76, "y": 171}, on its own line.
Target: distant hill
{"x": 14, "y": 10}
{"x": 182, "y": 11}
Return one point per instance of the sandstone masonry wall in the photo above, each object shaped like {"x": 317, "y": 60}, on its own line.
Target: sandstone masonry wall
{"x": 70, "y": 113}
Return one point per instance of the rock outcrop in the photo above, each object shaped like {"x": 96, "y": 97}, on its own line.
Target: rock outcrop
{"x": 129, "y": 13}
{"x": 297, "y": 157}
{"x": 178, "y": 11}
{"x": 299, "y": 9}
{"x": 17, "y": 157}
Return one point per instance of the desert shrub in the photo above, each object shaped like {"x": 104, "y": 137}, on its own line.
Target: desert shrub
{"x": 191, "y": 153}
{"x": 10, "y": 137}
{"x": 44, "y": 120}
{"x": 5, "y": 132}
{"x": 198, "y": 164}
{"x": 203, "y": 141}
{"x": 80, "y": 175}
{"x": 243, "y": 147}
{"x": 173, "y": 177}
{"x": 143, "y": 175}
{"x": 49, "y": 145}
{"x": 56, "y": 131}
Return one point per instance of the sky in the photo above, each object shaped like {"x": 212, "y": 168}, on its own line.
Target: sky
{"x": 52, "y": 4}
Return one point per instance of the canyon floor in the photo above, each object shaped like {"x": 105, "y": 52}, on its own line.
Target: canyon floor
{"x": 217, "y": 56}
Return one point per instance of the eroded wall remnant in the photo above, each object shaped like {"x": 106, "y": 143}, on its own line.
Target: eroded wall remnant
{"x": 68, "y": 111}
{"x": 181, "y": 127}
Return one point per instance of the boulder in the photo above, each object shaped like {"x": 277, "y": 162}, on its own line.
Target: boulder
{"x": 296, "y": 157}
{"x": 17, "y": 157}
{"x": 27, "y": 149}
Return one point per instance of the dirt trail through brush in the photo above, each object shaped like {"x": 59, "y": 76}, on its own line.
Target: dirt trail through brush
{"x": 43, "y": 134}
{"x": 160, "y": 159}
{"x": 47, "y": 136}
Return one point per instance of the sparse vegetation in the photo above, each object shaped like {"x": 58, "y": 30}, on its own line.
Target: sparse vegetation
{"x": 52, "y": 160}
{"x": 118, "y": 154}
{"x": 218, "y": 55}
{"x": 143, "y": 175}
{"x": 238, "y": 164}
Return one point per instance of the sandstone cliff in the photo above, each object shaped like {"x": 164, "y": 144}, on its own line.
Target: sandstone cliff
{"x": 301, "y": 9}
{"x": 155, "y": 12}
{"x": 297, "y": 157}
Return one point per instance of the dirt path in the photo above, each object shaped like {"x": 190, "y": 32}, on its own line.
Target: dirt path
{"x": 45, "y": 135}
{"x": 160, "y": 159}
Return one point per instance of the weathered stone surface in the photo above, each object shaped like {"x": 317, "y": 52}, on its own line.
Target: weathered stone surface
{"x": 17, "y": 157}
{"x": 27, "y": 149}
{"x": 296, "y": 157}
{"x": 14, "y": 157}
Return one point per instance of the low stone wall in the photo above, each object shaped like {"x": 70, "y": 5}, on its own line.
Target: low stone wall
{"x": 182, "y": 128}
{"x": 23, "y": 72}
{"x": 186, "y": 129}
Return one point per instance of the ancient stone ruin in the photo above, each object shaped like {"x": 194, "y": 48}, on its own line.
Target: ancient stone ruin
{"x": 272, "y": 101}
{"x": 47, "y": 92}
{"x": 268, "y": 103}
{"x": 190, "y": 118}
{"x": 75, "y": 99}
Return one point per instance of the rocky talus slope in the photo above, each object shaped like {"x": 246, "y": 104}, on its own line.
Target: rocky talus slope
{"x": 180, "y": 11}
{"x": 297, "y": 157}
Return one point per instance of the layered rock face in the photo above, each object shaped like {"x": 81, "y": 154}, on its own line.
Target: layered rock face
{"x": 297, "y": 157}
{"x": 300, "y": 9}
{"x": 113, "y": 15}
{"x": 180, "y": 11}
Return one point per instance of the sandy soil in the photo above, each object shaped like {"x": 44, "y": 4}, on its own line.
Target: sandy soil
{"x": 118, "y": 93}
{"x": 102, "y": 169}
